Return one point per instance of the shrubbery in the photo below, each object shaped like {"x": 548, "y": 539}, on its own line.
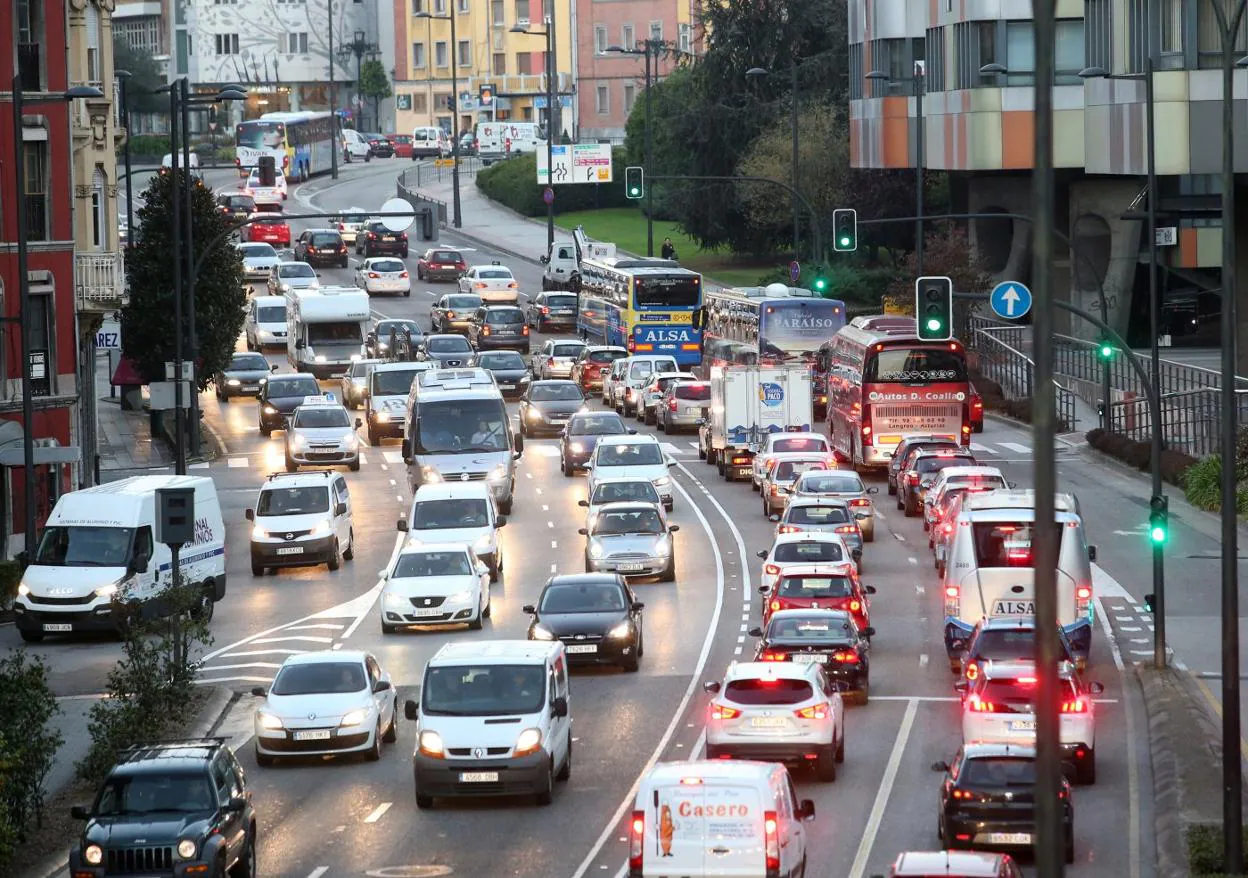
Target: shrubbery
{"x": 28, "y": 745}
{"x": 1175, "y": 465}
{"x": 10, "y": 578}
{"x": 513, "y": 183}
{"x": 149, "y": 145}
{"x": 1204, "y": 851}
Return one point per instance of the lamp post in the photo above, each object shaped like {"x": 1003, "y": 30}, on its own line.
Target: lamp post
{"x": 333, "y": 97}
{"x": 1154, "y": 318}
{"x": 359, "y": 47}
{"x": 918, "y": 77}
{"x": 754, "y": 73}
{"x": 24, "y": 306}
{"x": 124, "y": 76}
{"x": 549, "y": 33}
{"x": 457, "y": 219}
{"x": 647, "y": 51}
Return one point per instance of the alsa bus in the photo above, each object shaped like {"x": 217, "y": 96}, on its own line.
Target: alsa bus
{"x": 644, "y": 305}
{"x": 301, "y": 143}
{"x": 885, "y": 383}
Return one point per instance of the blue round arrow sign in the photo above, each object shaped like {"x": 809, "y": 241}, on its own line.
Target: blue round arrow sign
{"x": 1010, "y": 299}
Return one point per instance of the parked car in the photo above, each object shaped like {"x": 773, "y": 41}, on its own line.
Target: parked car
{"x": 402, "y": 144}
{"x": 379, "y": 146}
{"x": 374, "y": 239}
{"x": 321, "y": 247}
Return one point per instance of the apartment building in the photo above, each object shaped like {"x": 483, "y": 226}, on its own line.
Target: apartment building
{"x": 980, "y": 128}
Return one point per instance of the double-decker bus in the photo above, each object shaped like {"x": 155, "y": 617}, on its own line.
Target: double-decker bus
{"x": 301, "y": 144}
{"x": 885, "y": 383}
{"x": 644, "y": 305}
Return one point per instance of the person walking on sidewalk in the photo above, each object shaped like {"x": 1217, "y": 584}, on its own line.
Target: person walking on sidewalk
{"x": 669, "y": 249}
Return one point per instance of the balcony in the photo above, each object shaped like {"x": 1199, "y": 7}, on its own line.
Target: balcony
{"x": 522, "y": 83}
{"x": 99, "y": 280}
{"x": 29, "y": 67}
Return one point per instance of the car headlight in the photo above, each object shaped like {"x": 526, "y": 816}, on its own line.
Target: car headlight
{"x": 268, "y": 720}
{"x": 320, "y": 358}
{"x": 107, "y": 591}
{"x": 269, "y": 410}
{"x": 595, "y": 550}
{"x": 663, "y": 482}
{"x": 622, "y": 631}
{"x": 529, "y": 741}
{"x": 498, "y": 473}
{"x": 460, "y": 597}
{"x": 297, "y": 440}
{"x": 320, "y": 529}
{"x": 263, "y": 381}
{"x": 525, "y": 379}
{"x": 233, "y": 382}
{"x": 482, "y": 543}
{"x": 395, "y": 601}
{"x": 186, "y": 849}
{"x": 23, "y": 589}
{"x": 541, "y": 632}
{"x": 355, "y": 357}
{"x": 431, "y": 744}
{"x": 353, "y": 717}
{"x": 93, "y": 854}
{"x": 664, "y": 547}
{"x": 534, "y": 414}
{"x": 259, "y": 533}
{"x": 350, "y": 440}
{"x": 383, "y": 417}
{"x": 577, "y": 447}
{"x": 430, "y": 475}
{"x": 381, "y": 345}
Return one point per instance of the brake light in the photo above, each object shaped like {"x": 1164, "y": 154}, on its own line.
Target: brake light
{"x": 1027, "y": 681}
{"x": 373, "y": 274}
{"x": 545, "y": 310}
{"x": 775, "y": 605}
{"x": 524, "y": 331}
{"x": 513, "y": 285}
{"x": 978, "y": 705}
{"x": 402, "y": 236}
{"x": 912, "y": 478}
{"x": 773, "y": 657}
{"x": 846, "y": 657}
{"x": 341, "y": 226}
{"x": 951, "y": 600}
{"x": 788, "y": 529}
{"x": 855, "y": 606}
{"x": 771, "y": 841}
{"x": 631, "y": 345}
{"x": 972, "y": 671}
{"x": 961, "y": 794}
{"x": 1083, "y": 592}
{"x": 671, "y": 405}
{"x": 860, "y": 502}
{"x": 485, "y": 330}
{"x": 372, "y": 236}
{"x": 723, "y": 711}
{"x": 404, "y": 274}
{"x": 740, "y": 461}
{"x": 1079, "y": 705}
{"x": 815, "y": 711}
{"x": 947, "y": 528}
{"x": 478, "y": 286}
{"x": 450, "y": 315}
{"x": 847, "y": 529}
{"x": 636, "y": 841}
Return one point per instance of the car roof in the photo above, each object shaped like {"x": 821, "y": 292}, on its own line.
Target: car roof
{"x": 281, "y": 375}
{"x": 453, "y": 491}
{"x": 960, "y": 451}
{"x": 665, "y": 773}
{"x": 798, "y": 434}
{"x": 627, "y": 439}
{"x": 583, "y": 579}
{"x": 625, "y": 506}
{"x": 964, "y": 864}
{"x": 953, "y": 472}
{"x": 383, "y": 366}
{"x": 547, "y": 382}
{"x": 321, "y": 405}
{"x": 334, "y": 231}
{"x": 990, "y": 749}
{"x": 605, "y": 347}
{"x": 496, "y": 652}
{"x": 298, "y": 479}
{"x": 163, "y": 756}
{"x": 424, "y": 548}
{"x": 490, "y": 265}
{"x": 768, "y": 671}
{"x": 616, "y": 480}
{"x": 812, "y": 613}
{"x": 322, "y": 656}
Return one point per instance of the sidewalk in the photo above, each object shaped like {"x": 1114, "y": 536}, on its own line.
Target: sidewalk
{"x": 125, "y": 437}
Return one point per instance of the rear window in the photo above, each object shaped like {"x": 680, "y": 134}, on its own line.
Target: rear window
{"x": 326, "y": 238}
{"x": 785, "y": 471}
{"x": 697, "y": 392}
{"x": 836, "y": 586}
{"x": 388, "y": 265}
{"x": 1021, "y": 692}
{"x": 818, "y": 515}
{"x": 832, "y": 484}
{"x": 768, "y": 692}
{"x": 463, "y": 303}
{"x": 561, "y": 301}
{"x": 494, "y": 274}
{"x": 807, "y": 444}
{"x": 566, "y": 350}
{"x": 998, "y": 772}
{"x": 606, "y": 356}
{"x": 927, "y": 465}
{"x": 808, "y": 553}
{"x": 507, "y": 315}
{"x": 444, "y": 256}
{"x": 820, "y": 629}
{"x": 1006, "y": 644}
{"x": 1002, "y": 544}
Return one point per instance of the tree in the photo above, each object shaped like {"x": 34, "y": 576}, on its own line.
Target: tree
{"x": 28, "y": 744}
{"x": 220, "y": 295}
{"x": 145, "y": 78}
{"x": 946, "y": 253}
{"x": 374, "y": 84}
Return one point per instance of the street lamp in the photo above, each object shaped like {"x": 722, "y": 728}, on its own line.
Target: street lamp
{"x": 456, "y": 215}
{"x": 549, "y": 33}
{"x": 918, "y": 77}
{"x": 23, "y": 287}
{"x": 359, "y": 47}
{"x": 647, "y": 52}
{"x": 755, "y": 73}
{"x": 124, "y": 76}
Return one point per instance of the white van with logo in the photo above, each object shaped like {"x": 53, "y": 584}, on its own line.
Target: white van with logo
{"x": 990, "y": 568}
{"x": 98, "y": 559}
{"x": 718, "y": 817}
{"x": 492, "y": 719}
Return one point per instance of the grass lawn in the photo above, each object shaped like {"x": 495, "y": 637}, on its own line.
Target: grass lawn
{"x": 626, "y": 228}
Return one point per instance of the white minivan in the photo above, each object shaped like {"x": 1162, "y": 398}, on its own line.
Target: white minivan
{"x": 98, "y": 558}
{"x": 354, "y": 146}
{"x": 301, "y": 519}
{"x": 492, "y": 719}
{"x": 718, "y": 817}
{"x": 265, "y": 325}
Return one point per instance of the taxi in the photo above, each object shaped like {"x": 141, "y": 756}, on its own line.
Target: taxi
{"x": 819, "y": 587}
{"x": 321, "y": 432}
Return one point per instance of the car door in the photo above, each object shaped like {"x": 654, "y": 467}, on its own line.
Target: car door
{"x": 231, "y": 826}
{"x": 384, "y": 699}
{"x": 342, "y": 522}
{"x": 559, "y": 725}
{"x": 792, "y": 842}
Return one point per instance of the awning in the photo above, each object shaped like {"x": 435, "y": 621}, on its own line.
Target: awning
{"x": 127, "y": 373}
{"x": 44, "y": 454}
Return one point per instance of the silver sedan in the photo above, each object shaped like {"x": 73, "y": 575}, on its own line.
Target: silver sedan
{"x": 631, "y": 539}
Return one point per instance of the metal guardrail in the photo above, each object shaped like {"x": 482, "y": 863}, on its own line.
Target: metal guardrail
{"x": 1190, "y": 419}
{"x": 424, "y": 173}
{"x": 1014, "y": 371}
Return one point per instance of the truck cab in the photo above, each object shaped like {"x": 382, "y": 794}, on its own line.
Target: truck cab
{"x": 326, "y": 329}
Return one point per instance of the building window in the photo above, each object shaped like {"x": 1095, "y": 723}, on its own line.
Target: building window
{"x": 464, "y": 55}
{"x": 602, "y": 102}
{"x": 439, "y": 54}
{"x": 99, "y": 201}
{"x": 227, "y": 44}
{"x": 524, "y": 63}
{"x": 418, "y": 56}
{"x": 1071, "y": 54}
{"x": 35, "y": 157}
{"x": 685, "y": 42}
{"x": 857, "y": 84}
{"x": 600, "y": 39}
{"x": 1020, "y": 52}
{"x": 93, "y": 43}
{"x": 297, "y": 44}
{"x": 656, "y": 31}
{"x": 934, "y": 66}
{"x": 497, "y": 18}
{"x": 1171, "y": 26}
{"x": 41, "y": 334}
{"x": 628, "y": 38}
{"x": 418, "y": 6}
{"x": 439, "y": 7}
{"x": 630, "y": 97}
{"x": 1098, "y": 17}
{"x": 526, "y": 114}
{"x": 30, "y": 39}
{"x": 500, "y": 63}
{"x": 976, "y": 46}
{"x": 522, "y": 10}
{"x": 420, "y": 104}
{"x": 462, "y": 6}
{"x": 140, "y": 34}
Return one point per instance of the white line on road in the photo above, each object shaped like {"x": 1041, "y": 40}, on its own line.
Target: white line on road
{"x": 318, "y": 872}
{"x": 554, "y": 544}
{"x": 981, "y": 449}
{"x": 236, "y": 462}
{"x": 918, "y": 589}
{"x": 923, "y": 660}
{"x": 306, "y": 637}
{"x": 913, "y": 560}
{"x": 886, "y": 788}
{"x": 377, "y": 812}
{"x": 900, "y": 537}
{"x": 1014, "y": 446}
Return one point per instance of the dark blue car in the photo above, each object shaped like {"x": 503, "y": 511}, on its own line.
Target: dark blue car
{"x": 580, "y": 437}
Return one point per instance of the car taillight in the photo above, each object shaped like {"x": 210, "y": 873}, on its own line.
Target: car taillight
{"x": 972, "y": 671}
{"x": 628, "y": 393}
{"x": 960, "y": 794}
{"x": 404, "y": 274}
{"x": 815, "y": 711}
{"x": 847, "y": 529}
{"x": 513, "y": 285}
{"x": 862, "y": 501}
{"x": 636, "y": 841}
{"x": 773, "y": 657}
{"x": 671, "y": 405}
{"x": 478, "y": 286}
{"x": 740, "y": 461}
{"x": 951, "y": 600}
{"x": 723, "y": 711}
{"x": 771, "y": 841}
{"x": 946, "y": 528}
{"x": 485, "y": 330}
{"x": 550, "y": 361}
{"x": 978, "y": 705}
{"x": 1079, "y": 705}
{"x": 846, "y": 657}
{"x": 524, "y": 331}
{"x": 373, "y": 274}
{"x": 771, "y": 569}
{"x": 545, "y": 310}
{"x": 450, "y": 315}
{"x": 912, "y": 478}
{"x": 788, "y": 529}
{"x": 342, "y": 226}
{"x": 372, "y": 236}
{"x": 402, "y": 236}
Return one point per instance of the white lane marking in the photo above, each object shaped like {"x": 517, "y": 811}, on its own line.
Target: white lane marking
{"x": 251, "y": 652}
{"x": 294, "y": 637}
{"x": 981, "y": 449}
{"x": 554, "y": 567}
{"x": 237, "y": 462}
{"x": 694, "y": 679}
{"x": 198, "y": 466}
{"x": 1133, "y": 777}
{"x": 554, "y": 544}
{"x": 913, "y": 560}
{"x": 393, "y": 456}
{"x": 923, "y": 660}
{"x": 363, "y": 605}
{"x": 377, "y": 812}
{"x": 323, "y": 626}
{"x": 393, "y": 482}
{"x": 1105, "y": 586}
{"x": 363, "y": 458}
{"x": 1015, "y": 447}
{"x": 918, "y": 589}
{"x": 318, "y": 872}
{"x": 886, "y": 788}
{"x": 545, "y": 508}
{"x": 900, "y": 537}
{"x": 546, "y": 450}
{"x": 550, "y": 524}
{"x": 696, "y": 752}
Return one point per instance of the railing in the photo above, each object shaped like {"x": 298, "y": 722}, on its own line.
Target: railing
{"x": 521, "y": 83}
{"x": 1191, "y": 419}
{"x": 424, "y": 174}
{"x": 29, "y": 66}
{"x": 1014, "y": 372}
{"x": 99, "y": 278}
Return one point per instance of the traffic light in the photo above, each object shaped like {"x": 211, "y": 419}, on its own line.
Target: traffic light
{"x": 450, "y": 103}
{"x": 1150, "y": 601}
{"x": 1158, "y": 520}
{"x": 845, "y": 222}
{"x": 268, "y": 170}
{"x": 821, "y": 283}
{"x": 933, "y": 308}
{"x": 634, "y": 182}
{"x": 1105, "y": 350}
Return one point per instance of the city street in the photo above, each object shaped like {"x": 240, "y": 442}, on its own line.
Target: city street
{"x": 325, "y": 819}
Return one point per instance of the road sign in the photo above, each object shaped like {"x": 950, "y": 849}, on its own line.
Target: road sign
{"x": 548, "y": 195}
{"x": 1010, "y": 299}
{"x": 795, "y": 270}
{"x": 108, "y": 336}
{"x": 576, "y": 163}
{"x": 396, "y": 223}
{"x": 444, "y": 163}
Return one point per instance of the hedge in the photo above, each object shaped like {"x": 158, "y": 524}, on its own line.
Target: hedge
{"x": 28, "y": 745}
{"x": 1175, "y": 465}
{"x": 513, "y": 183}
{"x": 10, "y": 578}
{"x": 1204, "y": 851}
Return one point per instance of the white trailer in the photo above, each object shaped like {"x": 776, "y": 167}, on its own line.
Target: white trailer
{"x": 326, "y": 329}
{"x": 747, "y": 404}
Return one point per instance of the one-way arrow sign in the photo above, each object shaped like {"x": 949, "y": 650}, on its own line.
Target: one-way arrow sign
{"x": 1010, "y": 299}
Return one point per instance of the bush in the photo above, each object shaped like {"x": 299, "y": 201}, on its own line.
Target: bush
{"x": 10, "y": 577}
{"x": 149, "y": 145}
{"x": 1204, "y": 851}
{"x": 1174, "y": 464}
{"x": 28, "y": 745}
{"x": 513, "y": 183}
{"x": 1202, "y": 485}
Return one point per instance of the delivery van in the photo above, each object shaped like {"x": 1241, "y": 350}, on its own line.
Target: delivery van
{"x": 98, "y": 558}
{"x": 718, "y": 817}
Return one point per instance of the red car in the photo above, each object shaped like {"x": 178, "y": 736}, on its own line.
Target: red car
{"x": 977, "y": 411}
{"x": 402, "y": 144}
{"x": 269, "y": 229}
{"x": 440, "y": 264}
{"x": 819, "y": 587}
{"x": 593, "y": 364}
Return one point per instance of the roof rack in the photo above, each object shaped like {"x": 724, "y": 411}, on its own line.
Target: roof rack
{"x": 176, "y": 743}
{"x": 303, "y": 472}
{"x": 462, "y": 378}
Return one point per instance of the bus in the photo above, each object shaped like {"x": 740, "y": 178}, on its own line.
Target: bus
{"x": 301, "y": 144}
{"x": 885, "y": 383}
{"x": 644, "y": 305}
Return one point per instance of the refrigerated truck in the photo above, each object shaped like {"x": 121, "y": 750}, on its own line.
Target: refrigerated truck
{"x": 747, "y": 404}
{"x": 326, "y": 328}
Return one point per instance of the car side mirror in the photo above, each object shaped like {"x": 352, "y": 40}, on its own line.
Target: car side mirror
{"x": 673, "y": 528}
{"x": 755, "y": 632}
{"x": 402, "y": 525}
{"x": 529, "y": 608}
{"x": 671, "y": 463}
{"x": 711, "y": 686}
{"x": 761, "y": 553}
{"x": 940, "y": 765}
{"x": 382, "y": 686}
{"x": 873, "y": 490}
{"x": 869, "y": 589}
{"x": 501, "y": 521}
{"x": 340, "y": 509}
{"x": 273, "y": 368}
{"x": 359, "y": 423}
{"x": 559, "y": 707}
{"x": 318, "y": 274}
{"x": 259, "y": 691}
{"x": 80, "y": 812}
{"x": 632, "y": 432}
{"x": 582, "y": 531}
{"x": 638, "y": 606}
{"x": 584, "y": 503}
{"x": 773, "y": 518}
{"x": 1091, "y": 553}
{"x": 1096, "y": 688}
{"x": 867, "y": 632}
{"x": 764, "y": 589}
{"x": 411, "y": 709}
{"x": 961, "y": 686}
{"x": 807, "y": 810}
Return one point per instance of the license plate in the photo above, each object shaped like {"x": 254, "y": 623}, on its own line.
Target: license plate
{"x": 1014, "y": 608}
{"x": 313, "y": 735}
{"x": 1022, "y": 725}
{"x": 583, "y": 648}
{"x": 478, "y": 777}
{"x": 628, "y": 568}
{"x": 506, "y": 387}
{"x": 1009, "y": 838}
{"x": 293, "y": 550}
{"x": 768, "y": 722}
{"x": 807, "y": 659}
{"x": 251, "y": 387}
{"x": 58, "y": 627}
{"x": 425, "y": 612}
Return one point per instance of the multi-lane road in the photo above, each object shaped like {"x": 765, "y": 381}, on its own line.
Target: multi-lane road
{"x": 330, "y": 818}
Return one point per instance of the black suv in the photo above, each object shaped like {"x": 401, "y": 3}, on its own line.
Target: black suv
{"x": 236, "y": 207}
{"x": 170, "y": 809}
{"x": 374, "y": 239}
{"x": 321, "y": 247}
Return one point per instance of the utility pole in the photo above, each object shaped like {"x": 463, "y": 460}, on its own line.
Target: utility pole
{"x": 920, "y": 85}
{"x": 333, "y": 99}
{"x": 649, "y": 157}
{"x": 176, "y": 216}
{"x": 184, "y": 99}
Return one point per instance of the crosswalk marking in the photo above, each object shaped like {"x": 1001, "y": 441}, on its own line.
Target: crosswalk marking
{"x": 198, "y": 466}
{"x": 981, "y": 449}
{"x": 393, "y": 456}
{"x": 238, "y": 462}
{"x": 1014, "y": 446}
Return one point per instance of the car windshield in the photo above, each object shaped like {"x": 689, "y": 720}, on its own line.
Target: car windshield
{"x": 566, "y": 350}
{"x": 635, "y": 521}
{"x": 387, "y": 265}
{"x": 1005, "y": 544}
{"x": 295, "y": 269}
{"x": 501, "y": 360}
{"x": 393, "y": 382}
{"x": 248, "y": 363}
{"x": 318, "y": 417}
{"x": 764, "y": 693}
{"x": 413, "y": 564}
{"x": 84, "y": 546}
{"x": 596, "y": 597}
{"x": 799, "y": 628}
{"x": 440, "y": 514}
{"x": 458, "y": 426}
{"x": 355, "y": 218}
{"x": 497, "y": 316}
{"x": 807, "y": 553}
{"x": 320, "y": 678}
{"x": 639, "y": 491}
{"x": 606, "y": 356}
{"x": 443, "y": 256}
{"x": 835, "y": 586}
{"x": 596, "y": 425}
{"x": 787, "y": 470}
{"x": 484, "y": 690}
{"x": 542, "y": 392}
{"x": 288, "y": 387}
{"x": 630, "y": 454}
{"x": 561, "y": 301}
{"x": 448, "y": 344}
{"x": 817, "y": 515}
{"x": 494, "y": 274}
{"x": 257, "y": 251}
{"x": 151, "y": 793}
{"x": 463, "y": 303}
{"x": 271, "y": 314}
{"x": 293, "y": 501}
{"x": 697, "y": 392}
{"x": 997, "y": 771}
{"x": 904, "y": 451}
{"x": 781, "y": 446}
{"x": 832, "y": 483}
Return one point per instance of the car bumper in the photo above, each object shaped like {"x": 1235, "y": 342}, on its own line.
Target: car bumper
{"x": 444, "y": 778}
{"x": 503, "y": 343}
{"x": 267, "y": 338}
{"x": 292, "y": 553}
{"x": 441, "y": 274}
{"x": 460, "y": 327}
{"x": 330, "y": 456}
{"x": 605, "y": 651}
{"x": 282, "y": 743}
{"x": 499, "y": 297}
{"x": 257, "y": 274}
{"x": 392, "y": 247}
{"x": 273, "y": 422}
{"x": 391, "y": 288}
{"x": 325, "y": 371}
{"x": 769, "y": 751}
{"x": 388, "y": 427}
{"x": 557, "y": 371}
{"x": 630, "y": 567}
{"x": 98, "y": 617}
{"x": 547, "y": 427}
{"x": 446, "y": 615}
{"x": 557, "y": 319}
{"x": 241, "y": 390}
{"x": 677, "y": 419}
{"x": 324, "y": 258}
{"x": 980, "y": 828}
{"x": 180, "y": 869}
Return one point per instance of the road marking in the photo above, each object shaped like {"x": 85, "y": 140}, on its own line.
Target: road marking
{"x": 545, "y": 508}
{"x": 306, "y": 637}
{"x": 923, "y": 660}
{"x": 981, "y": 449}
{"x": 886, "y": 788}
{"x": 244, "y": 665}
{"x": 554, "y": 544}
{"x": 1105, "y": 586}
{"x": 363, "y": 458}
{"x": 1014, "y": 446}
{"x": 913, "y": 560}
{"x": 237, "y": 462}
{"x": 918, "y": 589}
{"x": 900, "y": 537}
{"x": 550, "y": 524}
{"x": 324, "y": 626}
{"x": 1133, "y": 778}
{"x": 393, "y": 456}
{"x": 318, "y": 872}
{"x": 377, "y": 812}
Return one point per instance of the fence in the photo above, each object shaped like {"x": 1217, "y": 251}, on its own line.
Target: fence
{"x": 1014, "y": 372}
{"x": 1191, "y": 420}
{"x": 423, "y": 174}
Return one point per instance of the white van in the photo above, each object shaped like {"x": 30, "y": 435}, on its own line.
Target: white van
{"x": 430, "y": 142}
{"x": 990, "y": 572}
{"x": 98, "y": 553}
{"x": 354, "y": 146}
{"x": 166, "y": 163}
{"x": 265, "y": 325}
{"x": 718, "y": 817}
{"x": 457, "y": 512}
{"x": 492, "y": 719}
{"x": 299, "y": 519}
{"x": 631, "y": 374}
{"x": 499, "y": 140}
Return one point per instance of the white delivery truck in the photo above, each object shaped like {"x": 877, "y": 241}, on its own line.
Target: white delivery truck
{"x": 747, "y": 404}
{"x": 326, "y": 329}
{"x": 563, "y": 260}
{"x": 499, "y": 140}
{"x": 98, "y": 557}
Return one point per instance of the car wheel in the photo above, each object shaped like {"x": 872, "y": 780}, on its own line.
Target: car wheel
{"x": 504, "y": 508}
{"x": 661, "y": 426}
{"x": 566, "y": 771}
{"x": 257, "y": 569}
{"x": 495, "y": 567}
{"x": 825, "y": 765}
{"x": 262, "y": 759}
{"x": 545, "y": 795}
{"x": 1070, "y": 846}
{"x": 631, "y": 664}
{"x": 334, "y": 561}
{"x": 911, "y": 508}
{"x": 354, "y": 465}
{"x": 567, "y": 470}
{"x": 246, "y": 865}
{"x": 204, "y": 607}
{"x": 840, "y": 747}
{"x": 392, "y": 731}
{"x": 29, "y": 636}
{"x": 868, "y": 535}
{"x": 424, "y": 803}
{"x": 1087, "y": 770}
{"x": 349, "y": 553}
{"x": 373, "y": 753}
{"x": 669, "y": 574}
{"x": 701, "y": 452}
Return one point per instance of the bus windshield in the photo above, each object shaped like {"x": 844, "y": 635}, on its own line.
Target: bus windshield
{"x": 667, "y": 292}
{"x": 795, "y": 330}
{"x": 917, "y": 365}
{"x": 261, "y": 135}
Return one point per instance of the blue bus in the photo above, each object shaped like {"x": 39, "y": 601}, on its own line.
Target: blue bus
{"x": 644, "y": 305}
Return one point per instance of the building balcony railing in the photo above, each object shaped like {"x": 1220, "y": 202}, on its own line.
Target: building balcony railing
{"x": 29, "y": 66}
{"x": 521, "y": 83}
{"x": 99, "y": 279}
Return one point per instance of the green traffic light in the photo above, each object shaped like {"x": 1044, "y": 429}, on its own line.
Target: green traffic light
{"x": 820, "y": 283}
{"x": 1106, "y": 351}
{"x": 933, "y": 324}
{"x": 1158, "y": 533}
{"x": 845, "y": 241}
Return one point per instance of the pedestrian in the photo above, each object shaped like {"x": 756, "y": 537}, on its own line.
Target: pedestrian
{"x": 669, "y": 249}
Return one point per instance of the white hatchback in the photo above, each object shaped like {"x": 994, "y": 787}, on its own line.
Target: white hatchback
{"x": 494, "y": 283}
{"x": 435, "y": 584}
{"x": 383, "y": 274}
{"x": 633, "y": 457}
{"x": 790, "y": 549}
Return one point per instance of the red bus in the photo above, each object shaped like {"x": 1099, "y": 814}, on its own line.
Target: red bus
{"x": 884, "y": 383}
